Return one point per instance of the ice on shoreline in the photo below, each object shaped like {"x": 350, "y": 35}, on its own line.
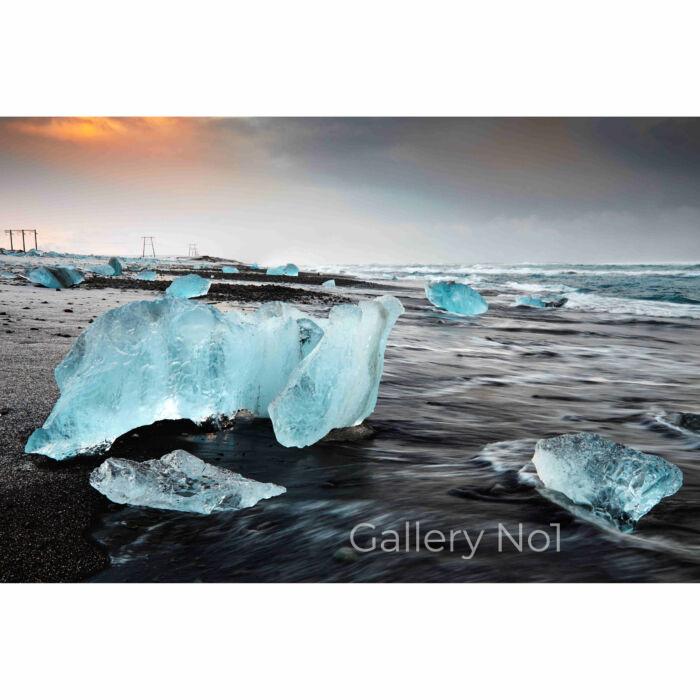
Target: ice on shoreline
{"x": 229, "y": 270}
{"x": 174, "y": 358}
{"x": 188, "y": 286}
{"x": 615, "y": 482}
{"x": 147, "y": 275}
{"x": 288, "y": 270}
{"x": 179, "y": 481}
{"x": 330, "y": 284}
{"x": 55, "y": 277}
{"x": 456, "y": 297}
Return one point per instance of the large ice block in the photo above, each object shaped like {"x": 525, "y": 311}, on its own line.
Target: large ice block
{"x": 188, "y": 286}
{"x": 615, "y": 481}
{"x": 55, "y": 277}
{"x": 117, "y": 265}
{"x": 178, "y": 481}
{"x": 288, "y": 270}
{"x": 173, "y": 358}
{"x": 456, "y": 297}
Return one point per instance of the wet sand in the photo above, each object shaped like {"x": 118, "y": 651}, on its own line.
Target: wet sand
{"x": 47, "y": 508}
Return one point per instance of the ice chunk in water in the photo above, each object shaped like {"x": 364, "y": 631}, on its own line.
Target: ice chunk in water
{"x": 456, "y": 297}
{"x": 178, "y": 481}
{"x": 173, "y": 358}
{"x": 188, "y": 286}
{"x": 616, "y": 482}
{"x": 288, "y": 270}
{"x": 147, "y": 275}
{"x": 229, "y": 269}
{"x": 535, "y": 302}
{"x": 55, "y": 277}
{"x": 329, "y": 283}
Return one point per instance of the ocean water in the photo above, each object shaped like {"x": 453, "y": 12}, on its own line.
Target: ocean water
{"x": 461, "y": 404}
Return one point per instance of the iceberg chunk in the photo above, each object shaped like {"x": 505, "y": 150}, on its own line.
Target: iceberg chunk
{"x": 329, "y": 283}
{"x": 456, "y": 297}
{"x": 117, "y": 265}
{"x": 178, "y": 481}
{"x": 103, "y": 270}
{"x": 336, "y": 385}
{"x": 535, "y": 302}
{"x": 147, "y": 276}
{"x": 55, "y": 277}
{"x": 188, "y": 286}
{"x": 288, "y": 270}
{"x": 229, "y": 269}
{"x": 616, "y": 482}
{"x": 173, "y": 358}
{"x": 7, "y": 275}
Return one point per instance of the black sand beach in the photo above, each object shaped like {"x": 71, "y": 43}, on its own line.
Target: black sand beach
{"x": 47, "y": 507}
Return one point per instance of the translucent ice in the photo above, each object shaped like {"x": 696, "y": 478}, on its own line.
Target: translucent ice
{"x": 456, "y": 297}
{"x": 229, "y": 269}
{"x": 329, "y": 283}
{"x": 288, "y": 270}
{"x": 117, "y": 265}
{"x": 178, "y": 481}
{"x": 147, "y": 275}
{"x": 614, "y": 481}
{"x": 7, "y": 275}
{"x": 104, "y": 270}
{"x": 188, "y": 286}
{"x": 173, "y": 358}
{"x": 55, "y": 277}
{"x": 535, "y": 302}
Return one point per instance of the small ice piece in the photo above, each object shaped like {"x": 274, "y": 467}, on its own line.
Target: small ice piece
{"x": 147, "y": 275}
{"x": 618, "y": 483}
{"x": 229, "y": 270}
{"x": 55, "y": 277}
{"x": 188, "y": 286}
{"x": 117, "y": 265}
{"x": 7, "y": 275}
{"x": 535, "y": 302}
{"x": 254, "y": 266}
{"x": 288, "y": 270}
{"x": 329, "y": 283}
{"x": 178, "y": 481}
{"x": 456, "y": 297}
{"x": 170, "y": 359}
{"x": 104, "y": 270}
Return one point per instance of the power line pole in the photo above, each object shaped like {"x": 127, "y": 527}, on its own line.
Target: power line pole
{"x": 192, "y": 251}
{"x": 147, "y": 241}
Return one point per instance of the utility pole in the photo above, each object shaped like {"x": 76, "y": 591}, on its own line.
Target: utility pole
{"x": 192, "y": 251}
{"x": 147, "y": 241}
{"x": 9, "y": 231}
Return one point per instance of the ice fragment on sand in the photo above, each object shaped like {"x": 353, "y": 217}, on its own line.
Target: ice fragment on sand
{"x": 229, "y": 269}
{"x": 615, "y": 481}
{"x": 55, "y": 277}
{"x": 147, "y": 275}
{"x": 188, "y": 286}
{"x": 288, "y": 270}
{"x": 173, "y": 358}
{"x": 329, "y": 283}
{"x": 456, "y": 297}
{"x": 178, "y": 481}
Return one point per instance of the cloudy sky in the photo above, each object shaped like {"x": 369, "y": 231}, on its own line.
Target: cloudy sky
{"x": 330, "y": 190}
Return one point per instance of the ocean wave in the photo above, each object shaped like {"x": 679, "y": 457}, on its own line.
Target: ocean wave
{"x": 634, "y": 307}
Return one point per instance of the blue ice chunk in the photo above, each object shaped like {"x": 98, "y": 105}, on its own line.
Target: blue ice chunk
{"x": 229, "y": 269}
{"x": 329, "y": 283}
{"x": 117, "y": 265}
{"x": 535, "y": 302}
{"x": 104, "y": 270}
{"x": 456, "y": 297}
{"x": 7, "y": 275}
{"x": 336, "y": 385}
{"x": 174, "y": 358}
{"x": 178, "y": 481}
{"x": 254, "y": 266}
{"x": 288, "y": 270}
{"x": 188, "y": 286}
{"x": 55, "y": 277}
{"x": 616, "y": 483}
{"x": 147, "y": 275}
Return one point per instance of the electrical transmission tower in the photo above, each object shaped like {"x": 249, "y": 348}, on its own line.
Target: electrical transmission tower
{"x": 147, "y": 242}
{"x": 23, "y": 232}
{"x": 192, "y": 252}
